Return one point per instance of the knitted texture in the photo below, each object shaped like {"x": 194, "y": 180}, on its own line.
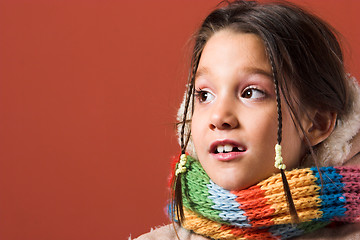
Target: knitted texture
{"x": 261, "y": 211}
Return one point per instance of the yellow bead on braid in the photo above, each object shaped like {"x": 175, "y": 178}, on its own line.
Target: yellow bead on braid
{"x": 278, "y": 158}
{"x": 181, "y": 166}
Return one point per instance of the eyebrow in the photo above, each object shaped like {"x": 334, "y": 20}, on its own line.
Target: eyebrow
{"x": 261, "y": 71}
{"x": 252, "y": 70}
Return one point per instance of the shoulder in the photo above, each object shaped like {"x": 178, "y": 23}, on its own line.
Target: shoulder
{"x": 343, "y": 232}
{"x": 168, "y": 232}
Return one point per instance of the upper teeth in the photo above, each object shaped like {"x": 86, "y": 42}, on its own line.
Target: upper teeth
{"x": 225, "y": 148}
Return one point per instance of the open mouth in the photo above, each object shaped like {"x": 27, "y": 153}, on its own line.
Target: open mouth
{"x": 227, "y": 148}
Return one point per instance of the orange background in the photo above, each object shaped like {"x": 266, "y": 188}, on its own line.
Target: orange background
{"x": 88, "y": 96}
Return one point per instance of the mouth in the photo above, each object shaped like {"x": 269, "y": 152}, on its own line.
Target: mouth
{"x": 226, "y": 146}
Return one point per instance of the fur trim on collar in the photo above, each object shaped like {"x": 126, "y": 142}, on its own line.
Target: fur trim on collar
{"x": 335, "y": 149}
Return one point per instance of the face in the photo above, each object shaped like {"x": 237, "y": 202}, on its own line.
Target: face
{"x": 234, "y": 124}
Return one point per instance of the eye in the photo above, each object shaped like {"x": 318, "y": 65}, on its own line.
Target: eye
{"x": 204, "y": 96}
{"x": 253, "y": 93}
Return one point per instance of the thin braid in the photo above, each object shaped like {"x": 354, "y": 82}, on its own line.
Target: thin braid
{"x": 278, "y": 99}
{"x": 177, "y": 201}
{"x": 278, "y": 105}
{"x": 290, "y": 201}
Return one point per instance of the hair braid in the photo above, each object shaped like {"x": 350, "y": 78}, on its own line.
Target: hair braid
{"x": 290, "y": 201}
{"x": 177, "y": 201}
{"x": 277, "y": 92}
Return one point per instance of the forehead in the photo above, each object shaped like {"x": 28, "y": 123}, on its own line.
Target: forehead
{"x": 230, "y": 49}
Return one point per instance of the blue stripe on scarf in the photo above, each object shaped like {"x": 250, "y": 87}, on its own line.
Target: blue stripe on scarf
{"x": 334, "y": 205}
{"x": 225, "y": 202}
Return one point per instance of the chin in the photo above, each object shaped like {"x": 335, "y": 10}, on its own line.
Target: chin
{"x": 231, "y": 185}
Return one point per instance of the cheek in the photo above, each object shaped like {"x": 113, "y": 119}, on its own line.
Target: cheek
{"x": 292, "y": 143}
{"x": 262, "y": 126}
{"x": 261, "y": 130}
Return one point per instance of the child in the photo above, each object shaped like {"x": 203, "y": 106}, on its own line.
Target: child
{"x": 266, "y": 75}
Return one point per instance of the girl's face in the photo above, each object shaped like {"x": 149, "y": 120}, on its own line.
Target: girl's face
{"x": 234, "y": 125}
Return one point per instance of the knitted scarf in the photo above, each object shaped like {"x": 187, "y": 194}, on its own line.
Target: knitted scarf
{"x": 261, "y": 211}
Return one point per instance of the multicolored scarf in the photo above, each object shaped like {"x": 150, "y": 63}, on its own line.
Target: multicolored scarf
{"x": 261, "y": 211}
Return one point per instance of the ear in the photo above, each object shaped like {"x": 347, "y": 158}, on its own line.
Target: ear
{"x": 319, "y": 126}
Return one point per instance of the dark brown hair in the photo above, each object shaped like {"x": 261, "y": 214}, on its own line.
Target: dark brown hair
{"x": 303, "y": 51}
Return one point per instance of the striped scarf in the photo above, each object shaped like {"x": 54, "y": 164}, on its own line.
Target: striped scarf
{"x": 261, "y": 211}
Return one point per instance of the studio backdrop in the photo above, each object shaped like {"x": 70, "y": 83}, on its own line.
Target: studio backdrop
{"x": 89, "y": 91}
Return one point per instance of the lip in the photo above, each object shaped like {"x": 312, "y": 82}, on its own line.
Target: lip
{"x": 225, "y": 157}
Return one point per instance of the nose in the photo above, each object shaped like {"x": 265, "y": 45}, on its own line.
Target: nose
{"x": 223, "y": 116}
